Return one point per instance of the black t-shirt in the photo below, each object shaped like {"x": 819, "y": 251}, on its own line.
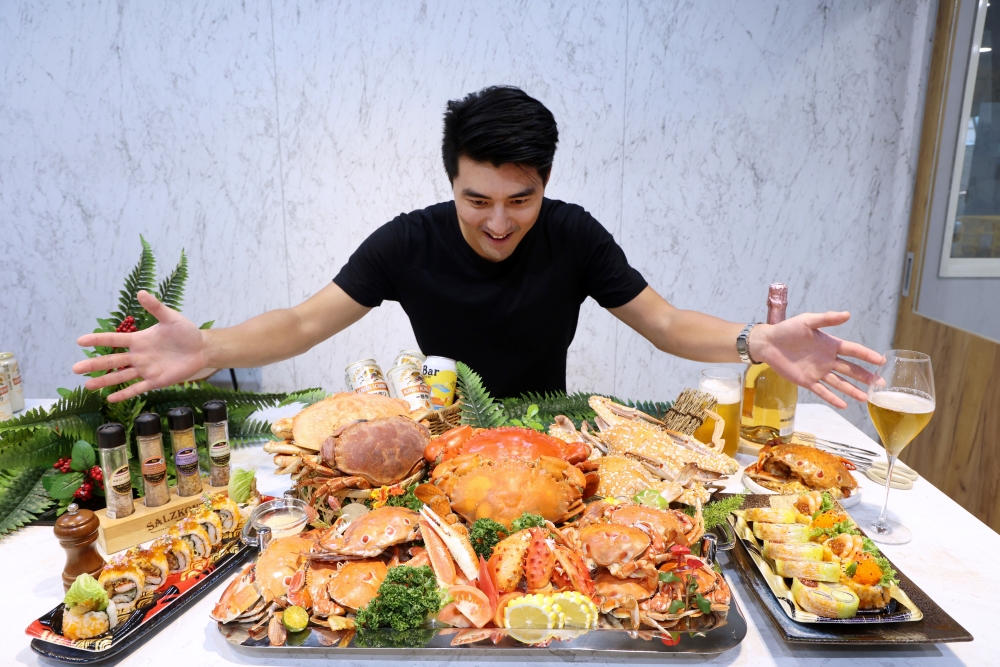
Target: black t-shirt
{"x": 511, "y": 321}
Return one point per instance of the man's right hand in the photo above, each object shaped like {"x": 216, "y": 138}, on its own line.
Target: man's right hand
{"x": 164, "y": 354}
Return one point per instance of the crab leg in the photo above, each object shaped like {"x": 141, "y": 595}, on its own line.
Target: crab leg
{"x": 276, "y": 447}
{"x": 458, "y": 545}
{"x": 440, "y": 559}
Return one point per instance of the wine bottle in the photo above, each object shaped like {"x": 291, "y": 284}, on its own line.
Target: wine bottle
{"x": 769, "y": 400}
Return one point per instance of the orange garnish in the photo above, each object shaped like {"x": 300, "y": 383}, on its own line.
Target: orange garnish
{"x": 868, "y": 572}
{"x": 828, "y": 519}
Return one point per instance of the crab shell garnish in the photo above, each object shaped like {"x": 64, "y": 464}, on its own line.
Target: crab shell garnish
{"x": 480, "y": 487}
{"x": 356, "y": 583}
{"x": 812, "y": 467}
{"x": 372, "y": 533}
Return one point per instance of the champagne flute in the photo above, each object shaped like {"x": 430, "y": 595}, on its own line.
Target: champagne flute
{"x": 901, "y": 403}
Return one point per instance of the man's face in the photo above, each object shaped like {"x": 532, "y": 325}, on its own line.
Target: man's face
{"x": 496, "y": 205}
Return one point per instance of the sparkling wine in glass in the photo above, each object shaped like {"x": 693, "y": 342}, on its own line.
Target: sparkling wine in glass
{"x": 900, "y": 402}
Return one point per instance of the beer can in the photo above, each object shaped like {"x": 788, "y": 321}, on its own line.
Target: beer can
{"x": 406, "y": 382}
{"x": 439, "y": 374}
{"x": 5, "y": 411}
{"x": 408, "y": 357}
{"x": 12, "y": 373}
{"x": 365, "y": 377}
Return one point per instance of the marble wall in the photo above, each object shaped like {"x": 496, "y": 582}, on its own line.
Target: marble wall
{"x": 724, "y": 144}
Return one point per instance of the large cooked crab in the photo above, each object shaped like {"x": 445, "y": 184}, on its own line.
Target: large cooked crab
{"x": 359, "y": 454}
{"x": 623, "y": 477}
{"x": 505, "y": 442}
{"x": 501, "y": 482}
{"x": 314, "y": 424}
{"x": 800, "y": 469}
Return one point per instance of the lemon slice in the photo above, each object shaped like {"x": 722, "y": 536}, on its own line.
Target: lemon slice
{"x": 530, "y": 618}
{"x": 295, "y": 619}
{"x": 577, "y": 609}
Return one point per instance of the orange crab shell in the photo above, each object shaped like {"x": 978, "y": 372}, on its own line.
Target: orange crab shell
{"x": 515, "y": 442}
{"x": 479, "y": 487}
{"x": 528, "y": 555}
{"x": 279, "y": 562}
{"x": 356, "y": 582}
{"x": 607, "y": 543}
{"x": 370, "y": 534}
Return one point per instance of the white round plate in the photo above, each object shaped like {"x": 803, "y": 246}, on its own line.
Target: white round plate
{"x": 754, "y": 487}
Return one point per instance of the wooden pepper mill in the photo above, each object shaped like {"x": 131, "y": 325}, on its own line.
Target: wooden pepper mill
{"x": 76, "y": 531}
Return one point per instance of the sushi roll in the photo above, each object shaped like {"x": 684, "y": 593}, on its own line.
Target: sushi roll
{"x": 153, "y": 564}
{"x": 123, "y": 581}
{"x": 781, "y": 532}
{"x": 227, "y": 511}
{"x": 210, "y": 521}
{"x": 774, "y": 515}
{"x": 192, "y": 532}
{"x": 825, "y": 571}
{"x": 829, "y": 600}
{"x": 89, "y": 612}
{"x": 793, "y": 550}
{"x": 176, "y": 551}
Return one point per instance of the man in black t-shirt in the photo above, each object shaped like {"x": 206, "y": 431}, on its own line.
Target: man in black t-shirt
{"x": 494, "y": 278}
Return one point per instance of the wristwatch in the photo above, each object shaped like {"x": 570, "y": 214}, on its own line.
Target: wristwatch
{"x": 743, "y": 344}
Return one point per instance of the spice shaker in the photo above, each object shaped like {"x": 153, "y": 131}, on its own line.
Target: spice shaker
{"x": 217, "y": 430}
{"x": 181, "y": 423}
{"x": 154, "y": 466}
{"x": 113, "y": 450}
{"x": 76, "y": 531}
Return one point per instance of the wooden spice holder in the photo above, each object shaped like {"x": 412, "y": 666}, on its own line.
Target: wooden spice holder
{"x": 147, "y": 523}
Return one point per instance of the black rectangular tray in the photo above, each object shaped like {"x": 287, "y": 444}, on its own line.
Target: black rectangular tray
{"x": 936, "y": 627}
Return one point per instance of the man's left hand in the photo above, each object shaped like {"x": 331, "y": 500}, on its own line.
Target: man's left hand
{"x": 800, "y": 352}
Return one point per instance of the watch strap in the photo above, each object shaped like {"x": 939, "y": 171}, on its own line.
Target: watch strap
{"x": 743, "y": 344}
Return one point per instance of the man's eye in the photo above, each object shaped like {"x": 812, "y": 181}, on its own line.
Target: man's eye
{"x": 518, "y": 202}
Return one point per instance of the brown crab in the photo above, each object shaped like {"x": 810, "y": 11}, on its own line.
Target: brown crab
{"x": 800, "y": 468}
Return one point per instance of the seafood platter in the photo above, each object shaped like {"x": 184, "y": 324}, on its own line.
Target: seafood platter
{"x": 492, "y": 539}
{"x": 140, "y": 590}
{"x": 819, "y": 578}
{"x": 800, "y": 468}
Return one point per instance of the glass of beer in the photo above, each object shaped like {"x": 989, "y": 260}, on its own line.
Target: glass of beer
{"x": 726, "y": 384}
{"x": 900, "y": 402}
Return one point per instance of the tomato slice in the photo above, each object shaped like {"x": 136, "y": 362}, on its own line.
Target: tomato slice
{"x": 502, "y": 604}
{"x": 452, "y": 616}
{"x": 485, "y": 584}
{"x": 472, "y": 603}
{"x": 672, "y": 639}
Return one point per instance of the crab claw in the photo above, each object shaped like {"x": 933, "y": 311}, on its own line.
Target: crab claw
{"x": 459, "y": 546}
{"x": 437, "y": 552}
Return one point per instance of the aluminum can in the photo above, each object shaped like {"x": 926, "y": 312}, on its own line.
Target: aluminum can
{"x": 12, "y": 373}
{"x": 5, "y": 411}
{"x": 406, "y": 382}
{"x": 365, "y": 377}
{"x": 408, "y": 357}
{"x": 440, "y": 374}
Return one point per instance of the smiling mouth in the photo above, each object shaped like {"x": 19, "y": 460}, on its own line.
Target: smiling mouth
{"x": 498, "y": 238}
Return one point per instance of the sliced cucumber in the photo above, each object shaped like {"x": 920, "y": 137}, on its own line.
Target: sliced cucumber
{"x": 826, "y": 599}
{"x": 808, "y": 569}
{"x": 781, "y": 532}
{"x": 793, "y": 550}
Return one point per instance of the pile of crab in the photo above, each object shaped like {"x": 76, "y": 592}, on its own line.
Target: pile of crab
{"x": 603, "y": 525}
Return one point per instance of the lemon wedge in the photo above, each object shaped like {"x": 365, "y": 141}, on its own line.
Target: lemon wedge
{"x": 530, "y": 618}
{"x": 577, "y": 609}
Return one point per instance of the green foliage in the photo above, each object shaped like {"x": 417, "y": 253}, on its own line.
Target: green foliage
{"x": 142, "y": 277}
{"x": 22, "y": 498}
{"x": 530, "y": 419}
{"x": 478, "y": 407}
{"x": 527, "y": 520}
{"x": 548, "y": 405}
{"x": 837, "y": 529}
{"x": 84, "y": 457}
{"x": 486, "y": 534}
{"x": 171, "y": 290}
{"x": 304, "y": 396}
{"x": 406, "y": 499}
{"x": 407, "y": 596}
{"x": 717, "y": 513}
{"x": 62, "y": 486}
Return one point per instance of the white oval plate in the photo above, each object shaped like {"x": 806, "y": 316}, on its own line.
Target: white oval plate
{"x": 754, "y": 487}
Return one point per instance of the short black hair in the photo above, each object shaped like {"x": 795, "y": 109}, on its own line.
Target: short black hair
{"x": 500, "y": 125}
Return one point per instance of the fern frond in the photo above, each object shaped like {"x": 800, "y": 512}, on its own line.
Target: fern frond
{"x": 194, "y": 394}
{"x": 478, "y": 407}
{"x": 22, "y": 498}
{"x": 141, "y": 278}
{"x": 304, "y": 396}
{"x": 170, "y": 292}
{"x": 40, "y": 448}
{"x": 655, "y": 409}
{"x": 249, "y": 432}
{"x": 77, "y": 414}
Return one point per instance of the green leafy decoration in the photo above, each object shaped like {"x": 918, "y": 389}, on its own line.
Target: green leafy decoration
{"x": 194, "y": 394}
{"x": 478, "y": 407}
{"x": 42, "y": 448}
{"x": 207, "y": 325}
{"x": 62, "y": 486}
{"x": 170, "y": 292}
{"x": 84, "y": 457}
{"x": 22, "y": 498}
{"x": 249, "y": 432}
{"x": 717, "y": 513}
{"x": 141, "y": 278}
{"x": 304, "y": 396}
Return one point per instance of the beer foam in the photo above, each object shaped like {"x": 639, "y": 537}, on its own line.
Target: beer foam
{"x": 725, "y": 392}
{"x": 901, "y": 401}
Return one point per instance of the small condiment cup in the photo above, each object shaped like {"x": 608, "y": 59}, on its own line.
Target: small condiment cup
{"x": 281, "y": 517}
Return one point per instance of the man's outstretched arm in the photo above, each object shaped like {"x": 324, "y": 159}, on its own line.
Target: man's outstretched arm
{"x": 795, "y": 348}
{"x": 175, "y": 349}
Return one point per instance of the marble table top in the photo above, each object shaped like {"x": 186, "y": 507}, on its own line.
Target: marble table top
{"x": 946, "y": 559}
